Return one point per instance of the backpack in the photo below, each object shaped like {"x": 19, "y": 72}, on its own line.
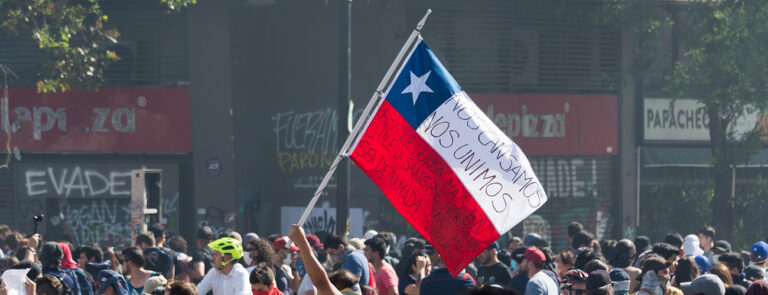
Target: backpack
{"x": 159, "y": 260}
{"x": 64, "y": 286}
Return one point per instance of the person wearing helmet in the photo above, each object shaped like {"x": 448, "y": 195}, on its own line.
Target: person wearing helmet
{"x": 574, "y": 282}
{"x": 227, "y": 277}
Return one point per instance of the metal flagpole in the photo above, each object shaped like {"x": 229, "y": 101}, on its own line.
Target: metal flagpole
{"x": 360, "y": 122}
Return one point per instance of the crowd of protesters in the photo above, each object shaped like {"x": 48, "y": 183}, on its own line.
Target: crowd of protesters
{"x": 378, "y": 264}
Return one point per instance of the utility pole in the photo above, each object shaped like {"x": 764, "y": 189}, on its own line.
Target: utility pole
{"x": 345, "y": 99}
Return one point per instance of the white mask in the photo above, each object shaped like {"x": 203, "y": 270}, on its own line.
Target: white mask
{"x": 287, "y": 260}
{"x": 715, "y": 259}
{"x": 247, "y": 259}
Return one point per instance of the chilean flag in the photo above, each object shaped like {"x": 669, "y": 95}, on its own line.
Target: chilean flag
{"x": 443, "y": 164}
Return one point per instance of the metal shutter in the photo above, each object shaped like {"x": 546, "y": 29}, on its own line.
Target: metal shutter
{"x": 521, "y": 46}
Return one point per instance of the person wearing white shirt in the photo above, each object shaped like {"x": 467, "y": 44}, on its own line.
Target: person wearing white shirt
{"x": 227, "y": 277}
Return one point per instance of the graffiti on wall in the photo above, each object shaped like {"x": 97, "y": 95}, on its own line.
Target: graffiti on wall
{"x": 567, "y": 177}
{"x": 88, "y": 203}
{"x": 76, "y": 182}
{"x": 87, "y": 221}
{"x": 305, "y": 139}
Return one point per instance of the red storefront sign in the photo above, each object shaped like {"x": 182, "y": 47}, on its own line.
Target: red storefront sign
{"x": 555, "y": 125}
{"x": 133, "y": 120}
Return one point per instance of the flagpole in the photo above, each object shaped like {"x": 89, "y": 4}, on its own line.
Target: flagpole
{"x": 364, "y": 116}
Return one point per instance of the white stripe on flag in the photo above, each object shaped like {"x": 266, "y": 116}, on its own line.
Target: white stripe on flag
{"x": 492, "y": 167}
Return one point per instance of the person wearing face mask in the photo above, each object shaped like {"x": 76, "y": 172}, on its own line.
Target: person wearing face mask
{"x": 283, "y": 259}
{"x": 353, "y": 261}
{"x": 721, "y": 247}
{"x": 655, "y": 276}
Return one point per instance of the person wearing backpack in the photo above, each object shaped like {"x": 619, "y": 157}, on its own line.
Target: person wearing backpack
{"x": 133, "y": 262}
{"x": 50, "y": 256}
{"x": 82, "y": 282}
{"x": 159, "y": 259}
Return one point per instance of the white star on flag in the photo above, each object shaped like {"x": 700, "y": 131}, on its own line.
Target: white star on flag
{"x": 418, "y": 85}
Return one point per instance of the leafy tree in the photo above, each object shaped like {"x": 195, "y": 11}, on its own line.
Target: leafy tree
{"x": 726, "y": 69}
{"x": 74, "y": 35}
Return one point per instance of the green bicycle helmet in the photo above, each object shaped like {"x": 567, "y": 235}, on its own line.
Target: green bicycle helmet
{"x": 230, "y": 246}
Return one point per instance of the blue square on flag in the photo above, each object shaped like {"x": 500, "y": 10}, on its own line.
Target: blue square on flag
{"x": 422, "y": 86}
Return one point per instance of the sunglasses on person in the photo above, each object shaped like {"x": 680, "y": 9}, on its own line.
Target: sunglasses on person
{"x": 577, "y": 292}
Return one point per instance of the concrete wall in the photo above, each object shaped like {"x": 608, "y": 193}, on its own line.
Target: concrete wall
{"x": 210, "y": 67}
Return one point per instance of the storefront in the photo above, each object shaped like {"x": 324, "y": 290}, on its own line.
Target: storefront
{"x": 572, "y": 143}
{"x": 675, "y": 168}
{"x": 72, "y": 154}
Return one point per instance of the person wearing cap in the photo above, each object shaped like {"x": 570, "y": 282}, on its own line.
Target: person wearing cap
{"x": 314, "y": 241}
{"x": 655, "y": 277}
{"x": 753, "y": 273}
{"x": 759, "y": 254}
{"x": 721, "y": 247}
{"x": 492, "y": 271}
{"x": 285, "y": 271}
{"x": 110, "y": 282}
{"x": 574, "y": 282}
{"x": 707, "y": 284}
{"x": 620, "y": 280}
{"x": 227, "y": 276}
{"x": 529, "y": 238}
{"x": 703, "y": 263}
{"x": 538, "y": 281}
{"x": 599, "y": 283}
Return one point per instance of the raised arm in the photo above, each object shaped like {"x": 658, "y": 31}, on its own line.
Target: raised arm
{"x": 316, "y": 272}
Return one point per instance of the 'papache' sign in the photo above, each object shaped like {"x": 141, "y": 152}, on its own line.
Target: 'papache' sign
{"x": 686, "y": 120}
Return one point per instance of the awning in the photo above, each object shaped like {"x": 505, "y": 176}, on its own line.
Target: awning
{"x": 691, "y": 157}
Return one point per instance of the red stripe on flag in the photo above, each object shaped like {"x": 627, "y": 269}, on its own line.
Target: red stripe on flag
{"x": 423, "y": 188}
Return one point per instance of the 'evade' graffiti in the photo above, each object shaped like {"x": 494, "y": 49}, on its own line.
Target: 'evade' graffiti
{"x": 88, "y": 203}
